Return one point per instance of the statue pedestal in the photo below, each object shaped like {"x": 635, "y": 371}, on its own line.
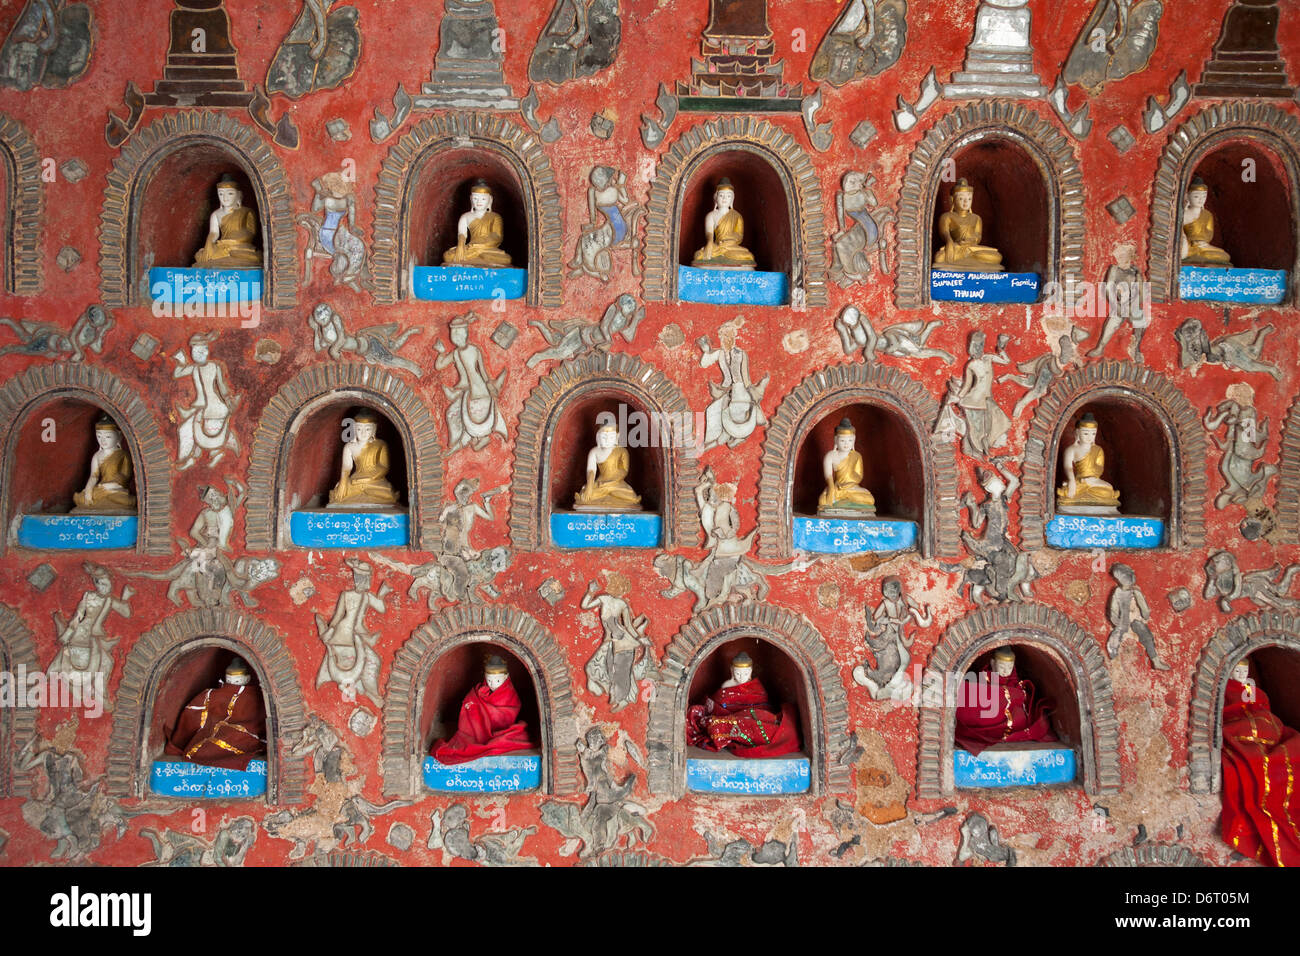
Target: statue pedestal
{"x": 983, "y": 288}
{"x": 197, "y": 288}
{"x": 828, "y": 535}
{"x": 1028, "y": 764}
{"x": 591, "y": 529}
{"x": 180, "y": 778}
{"x": 1257, "y": 286}
{"x": 1086, "y": 532}
{"x": 732, "y": 286}
{"x": 724, "y": 773}
{"x": 466, "y": 283}
{"x": 504, "y": 773}
{"x": 336, "y": 528}
{"x": 85, "y": 532}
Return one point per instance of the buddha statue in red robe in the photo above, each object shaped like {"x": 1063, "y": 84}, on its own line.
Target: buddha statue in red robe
{"x": 1261, "y": 802}
{"x": 223, "y": 726}
{"x": 488, "y": 721}
{"x": 998, "y": 707}
{"x": 739, "y": 718}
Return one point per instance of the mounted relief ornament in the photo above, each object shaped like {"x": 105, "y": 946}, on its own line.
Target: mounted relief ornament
{"x": 866, "y": 39}
{"x": 334, "y": 237}
{"x": 320, "y": 51}
{"x": 580, "y": 38}
{"x": 613, "y": 221}
{"x": 1116, "y": 41}
{"x": 49, "y": 45}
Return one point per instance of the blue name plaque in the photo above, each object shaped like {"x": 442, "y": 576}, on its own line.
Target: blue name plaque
{"x": 757, "y": 776}
{"x": 582, "y": 529}
{"x": 502, "y": 773}
{"x": 467, "y": 283}
{"x": 1090, "y": 531}
{"x": 981, "y": 288}
{"x": 205, "y": 286}
{"x": 1014, "y": 765}
{"x": 852, "y": 535}
{"x": 87, "y": 532}
{"x": 1258, "y": 286}
{"x": 732, "y": 286}
{"x": 349, "y": 529}
{"x": 179, "y": 778}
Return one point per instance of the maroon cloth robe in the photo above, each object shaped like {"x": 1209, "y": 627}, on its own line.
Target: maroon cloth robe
{"x": 221, "y": 727}
{"x": 486, "y": 725}
{"x": 741, "y": 720}
{"x": 1261, "y": 799}
{"x": 993, "y": 710}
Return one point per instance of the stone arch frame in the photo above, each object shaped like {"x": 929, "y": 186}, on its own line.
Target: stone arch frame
{"x": 521, "y": 150}
{"x": 1049, "y": 149}
{"x": 17, "y": 724}
{"x": 1288, "y": 479}
{"x": 1104, "y": 379}
{"x": 1078, "y": 654}
{"x": 141, "y": 432}
{"x": 530, "y": 500}
{"x": 154, "y": 654}
{"x": 24, "y": 218}
{"x": 1275, "y": 129}
{"x": 1236, "y": 640}
{"x": 541, "y": 654}
{"x": 119, "y": 264}
{"x": 1152, "y": 854}
{"x": 827, "y": 741}
{"x": 781, "y": 151}
{"x": 265, "y": 527}
{"x": 807, "y": 404}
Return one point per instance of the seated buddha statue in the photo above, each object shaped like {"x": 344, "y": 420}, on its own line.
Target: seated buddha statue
{"x": 738, "y": 717}
{"x": 478, "y": 234}
{"x": 997, "y": 707}
{"x": 1084, "y": 491}
{"x": 222, "y": 726}
{"x": 724, "y": 228}
{"x": 607, "y": 467}
{"x": 363, "y": 480}
{"x": 488, "y": 721}
{"x": 232, "y": 227}
{"x": 962, "y": 230}
{"x": 1198, "y": 230}
{"x": 842, "y": 466}
{"x": 110, "y": 471}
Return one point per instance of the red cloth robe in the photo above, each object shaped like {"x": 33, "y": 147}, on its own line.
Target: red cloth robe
{"x": 1261, "y": 796}
{"x": 221, "y": 727}
{"x": 486, "y": 725}
{"x": 740, "y": 719}
{"x": 1013, "y": 714}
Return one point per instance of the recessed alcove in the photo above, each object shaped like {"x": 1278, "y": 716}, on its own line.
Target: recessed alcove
{"x": 760, "y": 200}
{"x": 1276, "y": 669}
{"x": 440, "y": 194}
{"x": 177, "y": 198}
{"x": 1252, "y": 218}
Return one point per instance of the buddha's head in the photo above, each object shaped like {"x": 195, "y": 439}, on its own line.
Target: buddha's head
{"x": 845, "y": 435}
{"x": 495, "y": 672}
{"x": 229, "y": 195}
{"x": 238, "y": 673}
{"x": 724, "y": 197}
{"x": 480, "y": 196}
{"x": 1197, "y": 194}
{"x": 1241, "y": 672}
{"x": 1085, "y": 433}
{"x": 107, "y": 435}
{"x": 742, "y": 668}
{"x": 364, "y": 425}
{"x": 607, "y": 434}
{"x": 963, "y": 194}
{"x": 1004, "y": 661}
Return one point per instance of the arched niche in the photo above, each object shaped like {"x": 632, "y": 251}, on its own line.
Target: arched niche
{"x": 316, "y": 451}
{"x": 805, "y": 671}
{"x": 17, "y": 723}
{"x": 1271, "y": 643}
{"x": 1131, "y": 397}
{"x": 763, "y": 156}
{"x": 983, "y": 135}
{"x": 416, "y": 691}
{"x": 557, "y": 427}
{"x": 463, "y": 146}
{"x": 314, "y": 403}
{"x": 73, "y": 396}
{"x": 886, "y": 398}
{"x": 1210, "y": 142}
{"x": 20, "y": 168}
{"x": 181, "y": 651}
{"x": 1058, "y": 651}
{"x": 160, "y": 175}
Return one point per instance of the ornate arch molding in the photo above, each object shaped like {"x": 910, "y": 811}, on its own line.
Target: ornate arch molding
{"x": 159, "y": 649}
{"x": 1232, "y": 643}
{"x": 17, "y": 724}
{"x": 1074, "y": 649}
{"x": 568, "y": 382}
{"x": 266, "y": 527}
{"x": 547, "y": 663}
{"x": 520, "y": 149}
{"x": 827, "y": 702}
{"x": 1288, "y": 481}
{"x": 149, "y": 456}
{"x": 119, "y": 256}
{"x": 1274, "y": 128}
{"x": 23, "y": 212}
{"x": 782, "y": 152}
{"x": 1152, "y": 854}
{"x": 808, "y": 403}
{"x": 1050, "y": 151}
{"x": 1107, "y": 379}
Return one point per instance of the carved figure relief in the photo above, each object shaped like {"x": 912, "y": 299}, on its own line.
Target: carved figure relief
{"x": 625, "y": 655}
{"x": 334, "y": 237}
{"x": 1128, "y": 611}
{"x": 1239, "y": 351}
{"x": 472, "y": 413}
{"x": 906, "y": 340}
{"x": 736, "y": 408}
{"x": 204, "y": 423}
{"x": 374, "y": 344}
{"x": 1226, "y": 582}
{"x": 984, "y": 425}
{"x": 1128, "y": 300}
{"x": 320, "y": 51}
{"x": 450, "y": 832}
{"x": 350, "y": 657}
{"x": 613, "y": 221}
{"x": 63, "y": 808}
{"x": 866, "y": 39}
{"x": 861, "y": 221}
{"x": 1244, "y": 478}
{"x": 1039, "y": 372}
{"x": 608, "y": 815}
{"x": 1002, "y": 571}
{"x": 181, "y": 848}
{"x": 580, "y": 38}
{"x": 1116, "y": 41}
{"x": 85, "y": 649}
{"x": 887, "y": 638}
{"x": 46, "y": 340}
{"x": 49, "y": 45}
{"x": 570, "y": 338}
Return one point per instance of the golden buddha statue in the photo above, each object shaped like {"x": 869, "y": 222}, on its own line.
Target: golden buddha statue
{"x": 724, "y": 228}
{"x": 231, "y": 230}
{"x": 962, "y": 230}
{"x": 110, "y": 470}
{"x": 363, "y": 481}
{"x": 607, "y": 467}
{"x": 1198, "y": 230}
{"x": 478, "y": 234}
{"x": 842, "y": 466}
{"x": 1084, "y": 491}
